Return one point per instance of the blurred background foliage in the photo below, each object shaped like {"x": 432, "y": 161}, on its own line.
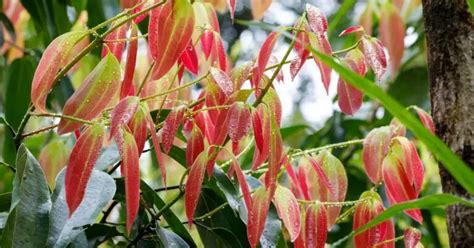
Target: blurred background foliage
{"x": 311, "y": 118}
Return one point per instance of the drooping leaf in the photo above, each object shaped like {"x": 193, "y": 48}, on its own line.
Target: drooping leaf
{"x": 374, "y": 151}
{"x": 194, "y": 184}
{"x": 375, "y": 55}
{"x": 53, "y": 59}
{"x": 195, "y": 145}
{"x": 129, "y": 153}
{"x": 239, "y": 121}
{"x": 127, "y": 83}
{"x": 63, "y": 230}
{"x": 207, "y": 42}
{"x": 231, "y": 4}
{"x": 425, "y": 119}
{"x": 261, "y": 129}
{"x": 170, "y": 29}
{"x": 189, "y": 58}
{"x": 392, "y": 34}
{"x": 263, "y": 58}
{"x": 257, "y": 215}
{"x": 81, "y": 162}
{"x": 156, "y": 147}
{"x": 170, "y": 239}
{"x": 320, "y": 43}
{"x": 288, "y": 210}
{"x": 170, "y": 126}
{"x": 27, "y": 222}
{"x": 259, "y": 7}
{"x": 99, "y": 90}
{"x": 411, "y": 237}
{"x": 315, "y": 227}
{"x": 316, "y": 19}
{"x": 123, "y": 113}
{"x": 222, "y": 80}
{"x": 138, "y": 127}
{"x": 300, "y": 46}
{"x": 350, "y": 98}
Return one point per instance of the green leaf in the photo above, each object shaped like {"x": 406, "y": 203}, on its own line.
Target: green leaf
{"x": 17, "y": 94}
{"x": 470, "y": 4}
{"x": 456, "y": 167}
{"x": 224, "y": 184}
{"x": 170, "y": 239}
{"x": 98, "y": 232}
{"x": 63, "y": 230}
{"x": 5, "y": 201}
{"x": 27, "y": 224}
{"x": 430, "y": 201}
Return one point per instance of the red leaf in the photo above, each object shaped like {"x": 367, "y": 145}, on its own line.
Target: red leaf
{"x": 123, "y": 113}
{"x": 303, "y": 180}
{"x": 190, "y": 59}
{"x": 243, "y": 183}
{"x": 129, "y": 153}
{"x": 170, "y": 29}
{"x": 170, "y": 127}
{"x": 82, "y": 160}
{"x": 276, "y": 153}
{"x": 240, "y": 74}
{"x": 156, "y": 146}
{"x": 316, "y": 19}
{"x": 288, "y": 210}
{"x": 127, "y": 83}
{"x": 350, "y": 98}
{"x": 53, "y": 59}
{"x": 392, "y": 34}
{"x": 365, "y": 212}
{"x": 375, "y": 149}
{"x": 259, "y": 7}
{"x": 261, "y": 128}
{"x": 116, "y": 48}
{"x": 411, "y": 237}
{"x": 221, "y": 55}
{"x": 239, "y": 120}
{"x": 321, "y": 174}
{"x": 207, "y": 42}
{"x": 231, "y": 4}
{"x": 352, "y": 29}
{"x": 300, "y": 47}
{"x": 257, "y": 215}
{"x": 194, "y": 184}
{"x": 316, "y": 226}
{"x": 403, "y": 174}
{"x": 195, "y": 145}
{"x": 425, "y": 119}
{"x": 375, "y": 55}
{"x": 264, "y": 57}
{"x": 223, "y": 81}
{"x": 138, "y": 127}
{"x": 99, "y": 90}
{"x": 320, "y": 43}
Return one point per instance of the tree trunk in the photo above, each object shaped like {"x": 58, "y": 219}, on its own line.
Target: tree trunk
{"x": 449, "y": 31}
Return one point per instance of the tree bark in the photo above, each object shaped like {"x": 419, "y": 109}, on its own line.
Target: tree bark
{"x": 449, "y": 31}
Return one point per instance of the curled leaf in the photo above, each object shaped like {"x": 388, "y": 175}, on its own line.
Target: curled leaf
{"x": 189, "y": 58}
{"x": 320, "y": 43}
{"x": 99, "y": 90}
{"x": 81, "y": 162}
{"x": 263, "y": 58}
{"x": 53, "y": 59}
{"x": 156, "y": 147}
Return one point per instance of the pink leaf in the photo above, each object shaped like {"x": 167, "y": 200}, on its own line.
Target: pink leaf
{"x": 316, "y": 226}
{"x": 425, "y": 119}
{"x": 375, "y": 149}
{"x": 123, "y": 113}
{"x": 350, "y": 98}
{"x": 223, "y": 81}
{"x": 231, "y": 4}
{"x": 375, "y": 55}
{"x": 207, "y": 41}
{"x": 127, "y": 83}
{"x": 264, "y": 57}
{"x": 195, "y": 145}
{"x": 194, "y": 184}
{"x": 392, "y": 34}
{"x": 189, "y": 59}
{"x": 352, "y": 29}
{"x": 316, "y": 19}
{"x": 116, "y": 48}
{"x": 257, "y": 215}
{"x": 171, "y": 125}
{"x": 288, "y": 211}
{"x": 239, "y": 120}
{"x": 411, "y": 237}
{"x": 138, "y": 127}
{"x": 320, "y": 43}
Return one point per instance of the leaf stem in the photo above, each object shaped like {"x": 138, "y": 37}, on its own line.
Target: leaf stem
{"x": 176, "y": 88}
{"x": 67, "y": 117}
{"x": 9, "y": 166}
{"x": 145, "y": 79}
{"x": 39, "y": 131}
{"x": 388, "y": 241}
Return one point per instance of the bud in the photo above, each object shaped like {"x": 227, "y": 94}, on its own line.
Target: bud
{"x": 375, "y": 149}
{"x": 412, "y": 237}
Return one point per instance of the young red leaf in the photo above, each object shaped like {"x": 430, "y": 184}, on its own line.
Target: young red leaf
{"x": 239, "y": 120}
{"x": 83, "y": 157}
{"x": 375, "y": 149}
{"x": 411, "y": 237}
{"x": 259, "y": 7}
{"x": 99, "y": 90}
{"x": 315, "y": 226}
{"x": 220, "y": 51}
{"x": 402, "y": 172}
{"x": 138, "y": 127}
{"x": 257, "y": 215}
{"x": 365, "y": 212}
{"x": 127, "y": 83}
{"x": 288, "y": 210}
{"x": 129, "y": 153}
{"x": 319, "y": 42}
{"x": 397, "y": 128}
{"x": 350, "y": 98}
{"x": 53, "y": 59}
{"x": 170, "y": 29}
{"x": 240, "y": 74}
{"x": 114, "y": 47}
{"x": 321, "y": 174}
{"x": 264, "y": 57}
{"x": 189, "y": 59}
{"x": 303, "y": 180}
{"x": 194, "y": 184}
{"x": 123, "y": 113}
{"x": 223, "y": 81}
{"x": 156, "y": 146}
{"x": 375, "y": 55}
{"x": 171, "y": 125}
{"x": 316, "y": 19}
{"x": 425, "y": 119}
{"x": 392, "y": 34}
{"x": 231, "y": 4}
{"x": 276, "y": 153}
{"x": 242, "y": 181}
{"x": 207, "y": 42}
{"x": 295, "y": 185}
{"x": 352, "y": 29}
{"x": 300, "y": 47}
{"x": 261, "y": 129}
{"x": 195, "y": 144}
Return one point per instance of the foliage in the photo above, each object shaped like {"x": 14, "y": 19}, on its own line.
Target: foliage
{"x": 138, "y": 110}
